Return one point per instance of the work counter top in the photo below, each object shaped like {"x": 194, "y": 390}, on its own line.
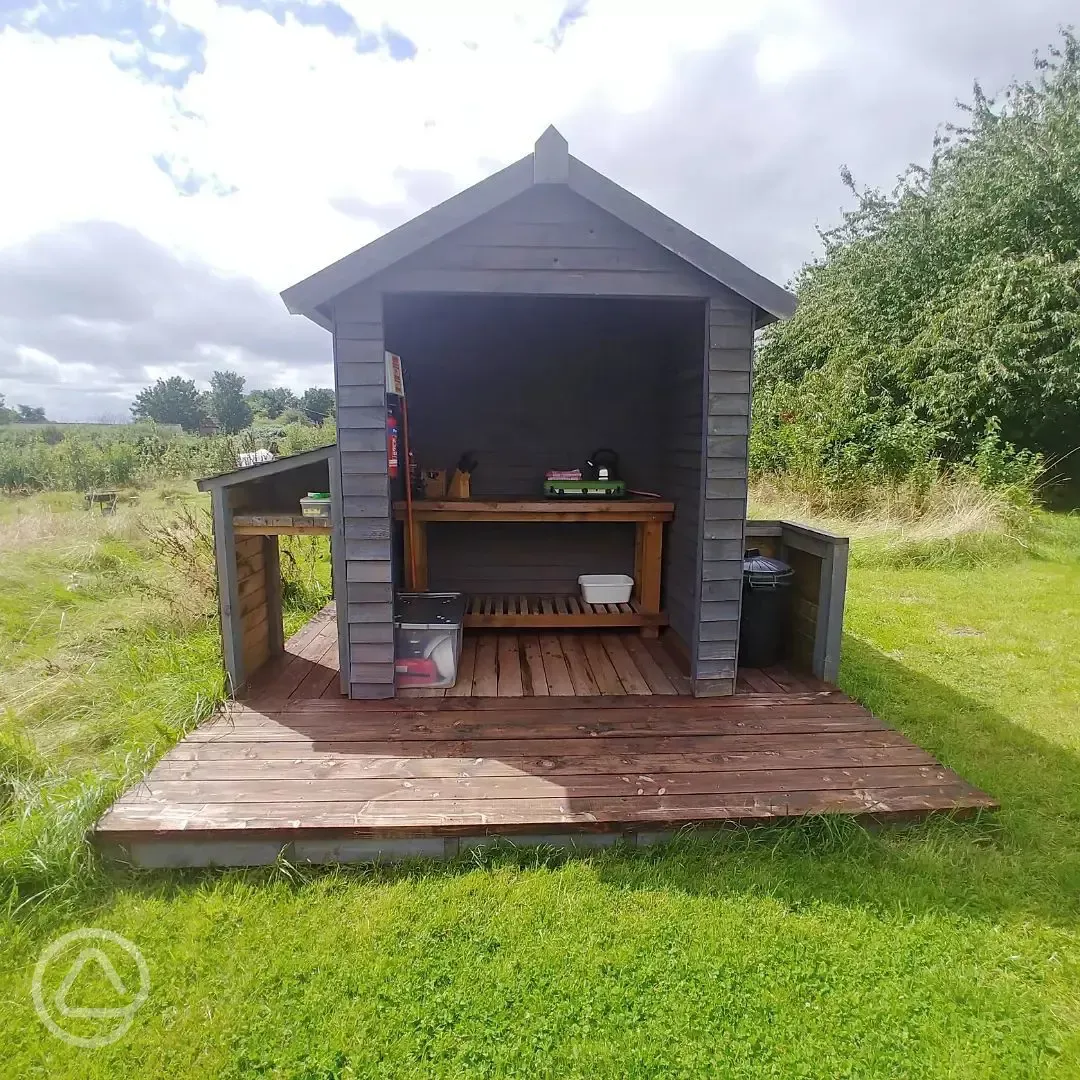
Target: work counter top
{"x": 504, "y": 509}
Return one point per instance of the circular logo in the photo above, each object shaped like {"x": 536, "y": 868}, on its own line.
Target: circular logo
{"x": 93, "y": 1004}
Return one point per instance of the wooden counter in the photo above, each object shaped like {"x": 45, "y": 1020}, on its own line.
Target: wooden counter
{"x": 275, "y": 524}
{"x": 648, "y": 515}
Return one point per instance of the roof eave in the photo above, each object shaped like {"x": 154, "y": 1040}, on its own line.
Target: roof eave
{"x": 269, "y": 468}
{"x": 305, "y": 297}
{"x": 550, "y": 163}
{"x": 680, "y": 241}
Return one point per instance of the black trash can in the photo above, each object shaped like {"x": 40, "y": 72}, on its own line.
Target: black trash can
{"x": 766, "y": 609}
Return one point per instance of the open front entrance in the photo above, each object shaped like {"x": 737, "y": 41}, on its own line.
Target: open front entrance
{"x": 524, "y": 385}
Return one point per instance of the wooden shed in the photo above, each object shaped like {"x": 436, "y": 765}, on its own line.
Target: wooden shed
{"x": 539, "y": 315}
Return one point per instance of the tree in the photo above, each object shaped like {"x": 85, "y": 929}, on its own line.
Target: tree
{"x": 170, "y": 401}
{"x": 945, "y": 313}
{"x": 30, "y": 414}
{"x": 273, "y": 401}
{"x": 227, "y": 402}
{"x": 317, "y": 403}
{"x": 7, "y": 416}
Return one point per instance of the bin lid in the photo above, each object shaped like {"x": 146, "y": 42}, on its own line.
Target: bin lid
{"x": 761, "y": 572}
{"x": 429, "y": 610}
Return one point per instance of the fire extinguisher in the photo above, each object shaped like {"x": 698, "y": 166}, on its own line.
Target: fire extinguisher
{"x": 392, "y": 443}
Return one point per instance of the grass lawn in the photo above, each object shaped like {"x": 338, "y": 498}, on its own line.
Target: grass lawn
{"x": 819, "y": 950}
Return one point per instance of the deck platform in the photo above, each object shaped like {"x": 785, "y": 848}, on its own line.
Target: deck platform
{"x": 297, "y": 770}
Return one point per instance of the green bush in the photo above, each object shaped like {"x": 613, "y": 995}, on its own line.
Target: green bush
{"x": 941, "y": 329}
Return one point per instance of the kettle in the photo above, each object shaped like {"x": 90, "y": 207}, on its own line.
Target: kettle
{"x": 603, "y": 464}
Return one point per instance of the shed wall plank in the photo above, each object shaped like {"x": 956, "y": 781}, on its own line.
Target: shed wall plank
{"x": 365, "y": 597}
{"x": 728, "y": 360}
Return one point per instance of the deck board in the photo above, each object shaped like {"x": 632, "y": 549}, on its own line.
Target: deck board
{"x": 603, "y": 738}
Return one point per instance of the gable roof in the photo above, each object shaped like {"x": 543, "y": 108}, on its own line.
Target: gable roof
{"x": 269, "y": 468}
{"x": 550, "y": 163}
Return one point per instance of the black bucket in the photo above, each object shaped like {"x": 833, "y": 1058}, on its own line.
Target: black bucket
{"x": 766, "y": 610}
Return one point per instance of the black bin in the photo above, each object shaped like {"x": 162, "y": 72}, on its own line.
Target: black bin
{"x": 766, "y": 609}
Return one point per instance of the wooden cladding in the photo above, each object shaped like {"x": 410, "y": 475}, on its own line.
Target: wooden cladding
{"x": 364, "y": 591}
{"x": 254, "y": 597}
{"x": 728, "y": 359}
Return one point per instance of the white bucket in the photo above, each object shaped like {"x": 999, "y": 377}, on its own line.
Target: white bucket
{"x": 605, "y": 588}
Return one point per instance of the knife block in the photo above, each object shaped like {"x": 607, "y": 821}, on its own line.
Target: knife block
{"x": 460, "y": 486}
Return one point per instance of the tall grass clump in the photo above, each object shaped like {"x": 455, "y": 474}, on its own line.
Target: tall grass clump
{"x": 951, "y": 521}
{"x": 110, "y": 652}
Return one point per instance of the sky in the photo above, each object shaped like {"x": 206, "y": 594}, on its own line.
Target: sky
{"x": 169, "y": 167}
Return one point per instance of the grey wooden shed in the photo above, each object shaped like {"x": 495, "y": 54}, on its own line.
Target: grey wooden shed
{"x": 539, "y": 314}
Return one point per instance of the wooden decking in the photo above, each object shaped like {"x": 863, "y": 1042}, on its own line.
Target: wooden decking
{"x": 514, "y": 664}
{"x": 319, "y": 778}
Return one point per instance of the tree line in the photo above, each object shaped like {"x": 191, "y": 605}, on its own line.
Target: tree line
{"x": 226, "y": 407}
{"x": 21, "y": 414}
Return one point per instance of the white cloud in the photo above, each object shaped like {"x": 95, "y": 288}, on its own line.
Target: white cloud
{"x": 721, "y": 113}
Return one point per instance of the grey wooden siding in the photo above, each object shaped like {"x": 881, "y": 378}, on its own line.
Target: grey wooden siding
{"x": 682, "y": 475}
{"x": 548, "y": 240}
{"x": 551, "y": 362}
{"x": 361, "y": 423}
{"x": 729, "y": 352}
{"x": 512, "y": 558}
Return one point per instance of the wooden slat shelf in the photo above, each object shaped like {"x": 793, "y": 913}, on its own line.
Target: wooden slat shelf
{"x": 280, "y": 525}
{"x": 565, "y": 612}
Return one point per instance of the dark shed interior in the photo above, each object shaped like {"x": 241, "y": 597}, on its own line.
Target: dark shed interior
{"x": 530, "y": 383}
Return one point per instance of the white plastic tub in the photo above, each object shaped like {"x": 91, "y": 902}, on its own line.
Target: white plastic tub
{"x": 605, "y": 588}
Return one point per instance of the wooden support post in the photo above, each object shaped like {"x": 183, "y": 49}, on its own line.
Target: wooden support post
{"x": 651, "y": 542}
{"x": 830, "y": 624}
{"x": 272, "y": 572}
{"x": 416, "y": 563}
{"x": 639, "y": 544}
{"x": 228, "y": 592}
{"x": 338, "y": 580}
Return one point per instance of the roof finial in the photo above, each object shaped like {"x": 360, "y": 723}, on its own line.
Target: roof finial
{"x": 551, "y": 158}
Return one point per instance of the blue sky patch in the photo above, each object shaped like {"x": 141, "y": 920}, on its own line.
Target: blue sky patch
{"x": 155, "y": 46}
{"x": 401, "y": 47}
{"x": 574, "y": 10}
{"x": 187, "y": 181}
{"x": 158, "y": 47}
{"x": 333, "y": 17}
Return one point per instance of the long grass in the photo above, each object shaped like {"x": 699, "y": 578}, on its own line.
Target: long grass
{"x": 949, "y": 522}
{"x": 950, "y": 949}
{"x": 109, "y": 653}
